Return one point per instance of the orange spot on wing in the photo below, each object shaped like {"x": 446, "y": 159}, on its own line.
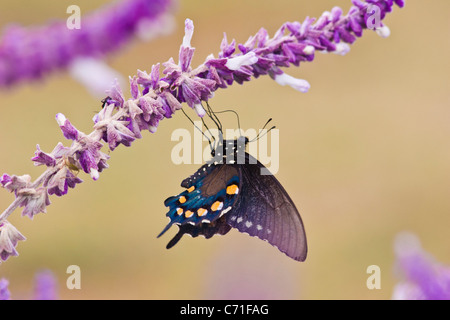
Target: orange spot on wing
{"x": 201, "y": 212}
{"x": 179, "y": 211}
{"x": 191, "y": 189}
{"x": 233, "y": 189}
{"x": 217, "y": 206}
{"x": 182, "y": 199}
{"x": 188, "y": 214}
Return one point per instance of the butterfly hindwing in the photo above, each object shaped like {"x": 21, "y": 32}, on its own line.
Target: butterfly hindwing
{"x": 219, "y": 226}
{"x": 266, "y": 211}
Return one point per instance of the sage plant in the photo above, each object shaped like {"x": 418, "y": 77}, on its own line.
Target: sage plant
{"x": 157, "y": 95}
{"x": 30, "y": 53}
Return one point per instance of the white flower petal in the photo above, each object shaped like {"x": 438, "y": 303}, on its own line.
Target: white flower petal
{"x": 298, "y": 84}
{"x": 244, "y": 60}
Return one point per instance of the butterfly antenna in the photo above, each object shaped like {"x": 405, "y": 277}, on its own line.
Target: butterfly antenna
{"x": 212, "y": 136}
{"x": 209, "y": 140}
{"x": 259, "y": 136}
{"x": 213, "y": 117}
{"x": 237, "y": 116}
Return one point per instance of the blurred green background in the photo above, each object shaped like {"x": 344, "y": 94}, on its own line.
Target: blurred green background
{"x": 364, "y": 154}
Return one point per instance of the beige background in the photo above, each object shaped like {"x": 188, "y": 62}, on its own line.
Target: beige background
{"x": 364, "y": 155}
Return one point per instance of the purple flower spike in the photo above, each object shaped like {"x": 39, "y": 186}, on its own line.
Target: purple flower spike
{"x": 31, "y": 53}
{"x": 424, "y": 278}
{"x": 9, "y": 237}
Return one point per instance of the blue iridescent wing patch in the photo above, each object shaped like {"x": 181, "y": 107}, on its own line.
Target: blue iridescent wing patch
{"x": 210, "y": 193}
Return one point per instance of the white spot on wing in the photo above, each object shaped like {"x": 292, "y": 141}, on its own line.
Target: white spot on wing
{"x": 248, "y": 224}
{"x": 226, "y": 210}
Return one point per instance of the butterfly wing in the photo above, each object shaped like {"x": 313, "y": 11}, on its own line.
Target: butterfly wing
{"x": 210, "y": 193}
{"x": 265, "y": 210}
{"x": 219, "y": 226}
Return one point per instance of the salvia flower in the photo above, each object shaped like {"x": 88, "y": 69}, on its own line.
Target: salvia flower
{"x": 158, "y": 95}
{"x": 9, "y": 236}
{"x": 114, "y": 127}
{"x": 33, "y": 200}
{"x": 30, "y": 53}
{"x": 69, "y": 131}
{"x": 423, "y": 278}
{"x": 60, "y": 182}
{"x": 49, "y": 159}
{"x": 14, "y": 183}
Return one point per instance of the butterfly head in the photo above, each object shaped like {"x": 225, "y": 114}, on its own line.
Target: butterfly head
{"x": 230, "y": 149}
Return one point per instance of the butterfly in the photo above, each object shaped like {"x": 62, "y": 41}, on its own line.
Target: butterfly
{"x": 231, "y": 191}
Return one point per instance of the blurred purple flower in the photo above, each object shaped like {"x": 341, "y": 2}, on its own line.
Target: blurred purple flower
{"x": 30, "y": 53}
{"x": 4, "y": 292}
{"x": 45, "y": 286}
{"x": 423, "y": 277}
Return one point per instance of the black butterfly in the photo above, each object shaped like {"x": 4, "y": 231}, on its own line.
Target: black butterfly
{"x": 230, "y": 191}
